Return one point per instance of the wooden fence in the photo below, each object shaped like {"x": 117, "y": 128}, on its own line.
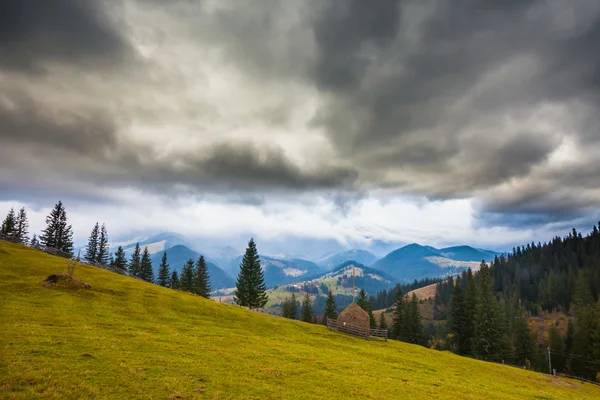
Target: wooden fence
{"x": 356, "y": 331}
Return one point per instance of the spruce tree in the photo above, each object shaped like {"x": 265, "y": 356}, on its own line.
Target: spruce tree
{"x": 314, "y": 320}
{"x": 457, "y": 320}
{"x": 91, "y": 250}
{"x": 58, "y": 234}
{"x": 175, "y": 284}
{"x": 362, "y": 301}
{"x": 557, "y": 349}
{"x": 490, "y": 342}
{"x": 382, "y": 321}
{"x": 202, "y": 279}
{"x": 307, "y": 309}
{"x": 293, "y": 307}
{"x": 523, "y": 341}
{"x": 9, "y": 224}
{"x": 34, "y": 241}
{"x": 251, "y": 290}
{"x": 22, "y": 227}
{"x": 470, "y": 305}
{"x": 330, "y": 308}
{"x": 398, "y": 315}
{"x": 135, "y": 262}
{"x": 186, "y": 281}
{"x": 120, "y": 259}
{"x": 163, "y": 272}
{"x": 285, "y": 309}
{"x": 102, "y": 254}
{"x": 146, "y": 272}
{"x": 412, "y": 329}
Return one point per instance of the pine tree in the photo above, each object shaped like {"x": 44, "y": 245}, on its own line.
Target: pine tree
{"x": 456, "y": 323}
{"x": 293, "y": 307}
{"x": 398, "y": 315}
{"x": 163, "y": 272}
{"x": 120, "y": 260}
{"x": 470, "y": 305}
{"x": 9, "y": 224}
{"x": 91, "y": 250}
{"x": 58, "y": 234}
{"x": 412, "y": 328}
{"x": 307, "y": 309}
{"x": 175, "y": 284}
{"x": 146, "y": 272}
{"x": 135, "y": 263}
{"x": 22, "y": 227}
{"x": 382, "y": 321}
{"x": 523, "y": 341}
{"x": 490, "y": 343}
{"x": 102, "y": 254}
{"x": 251, "y": 290}
{"x": 362, "y": 300}
{"x": 186, "y": 282}
{"x": 34, "y": 241}
{"x": 314, "y": 320}
{"x": 285, "y": 309}
{"x": 557, "y": 350}
{"x": 330, "y": 308}
{"x": 202, "y": 279}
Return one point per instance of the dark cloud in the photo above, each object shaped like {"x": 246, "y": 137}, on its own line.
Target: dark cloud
{"x": 33, "y": 33}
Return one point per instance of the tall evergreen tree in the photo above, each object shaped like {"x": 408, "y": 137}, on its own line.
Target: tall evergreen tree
{"x": 135, "y": 267}
{"x": 9, "y": 224}
{"x": 382, "y": 321}
{"x": 457, "y": 320}
{"x": 285, "y": 309}
{"x": 58, "y": 234}
{"x": 523, "y": 341}
{"x": 412, "y": 328}
{"x": 490, "y": 343}
{"x": 202, "y": 279}
{"x": 556, "y": 344}
{"x": 293, "y": 307}
{"x": 175, "y": 283}
{"x": 22, "y": 227}
{"x": 186, "y": 281}
{"x": 398, "y": 315}
{"x": 102, "y": 255}
{"x": 470, "y": 305}
{"x": 120, "y": 259}
{"x": 146, "y": 272}
{"x": 307, "y": 309}
{"x": 91, "y": 250}
{"x": 330, "y": 308}
{"x": 164, "y": 274}
{"x": 251, "y": 290}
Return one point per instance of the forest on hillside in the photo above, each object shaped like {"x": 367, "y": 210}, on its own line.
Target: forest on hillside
{"x": 488, "y": 313}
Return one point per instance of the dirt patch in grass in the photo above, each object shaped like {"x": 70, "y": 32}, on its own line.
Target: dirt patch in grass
{"x": 59, "y": 281}
{"x": 2, "y": 251}
{"x": 561, "y": 382}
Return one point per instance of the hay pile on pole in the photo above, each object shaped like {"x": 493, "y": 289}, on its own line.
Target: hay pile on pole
{"x": 356, "y": 316}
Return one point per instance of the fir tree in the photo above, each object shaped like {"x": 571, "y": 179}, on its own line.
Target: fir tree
{"x": 163, "y": 272}
{"x": 330, "y": 308}
{"x": 293, "y": 307}
{"x": 362, "y": 300}
{"x": 102, "y": 254}
{"x": 398, "y": 315}
{"x": 457, "y": 320}
{"x": 175, "y": 284}
{"x": 382, "y": 321}
{"x": 58, "y": 234}
{"x": 146, "y": 272}
{"x": 9, "y": 224}
{"x": 314, "y": 320}
{"x": 412, "y": 328}
{"x": 285, "y": 309}
{"x": 307, "y": 309}
{"x": 202, "y": 279}
{"x": 135, "y": 263}
{"x": 22, "y": 227}
{"x": 251, "y": 290}
{"x": 557, "y": 350}
{"x": 523, "y": 342}
{"x": 120, "y": 260}
{"x": 470, "y": 305}
{"x": 34, "y": 241}
{"x": 186, "y": 282}
{"x": 91, "y": 250}
{"x": 490, "y": 343}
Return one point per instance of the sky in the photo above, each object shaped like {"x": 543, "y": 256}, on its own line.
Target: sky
{"x": 400, "y": 121}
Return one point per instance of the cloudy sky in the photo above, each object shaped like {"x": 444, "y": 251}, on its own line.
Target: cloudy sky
{"x": 430, "y": 121}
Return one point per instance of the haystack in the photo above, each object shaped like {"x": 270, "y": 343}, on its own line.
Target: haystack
{"x": 354, "y": 315}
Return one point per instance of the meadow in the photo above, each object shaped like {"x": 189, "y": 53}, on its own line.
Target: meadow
{"x": 125, "y": 338}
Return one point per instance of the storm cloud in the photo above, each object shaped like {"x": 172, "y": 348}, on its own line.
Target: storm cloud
{"x": 484, "y": 100}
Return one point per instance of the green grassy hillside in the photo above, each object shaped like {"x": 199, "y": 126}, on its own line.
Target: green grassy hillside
{"x": 128, "y": 339}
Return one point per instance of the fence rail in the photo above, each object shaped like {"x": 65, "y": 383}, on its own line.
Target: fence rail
{"x": 579, "y": 378}
{"x": 356, "y": 330}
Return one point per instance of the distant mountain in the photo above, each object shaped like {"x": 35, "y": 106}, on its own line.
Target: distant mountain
{"x": 178, "y": 255}
{"x": 466, "y": 253}
{"x": 160, "y": 242}
{"x": 360, "y": 256}
{"x": 415, "y": 262}
{"x": 279, "y": 272}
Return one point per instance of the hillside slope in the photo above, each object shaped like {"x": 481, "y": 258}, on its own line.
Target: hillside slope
{"x": 129, "y": 339}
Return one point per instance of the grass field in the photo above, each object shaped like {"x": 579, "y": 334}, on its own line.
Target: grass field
{"x": 129, "y": 339}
